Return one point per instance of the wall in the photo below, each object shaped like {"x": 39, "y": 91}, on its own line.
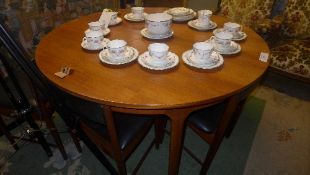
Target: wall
{"x": 203, "y": 4}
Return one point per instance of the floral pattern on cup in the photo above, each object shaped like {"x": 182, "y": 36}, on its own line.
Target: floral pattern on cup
{"x": 202, "y": 52}
{"x": 233, "y": 28}
{"x": 222, "y": 39}
{"x": 204, "y": 17}
{"x": 117, "y": 48}
{"x": 93, "y": 38}
{"x": 158, "y": 23}
{"x": 137, "y": 12}
{"x": 96, "y": 26}
{"x": 158, "y": 51}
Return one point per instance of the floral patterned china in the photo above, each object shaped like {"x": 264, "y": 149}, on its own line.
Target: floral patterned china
{"x": 146, "y": 61}
{"x": 131, "y": 17}
{"x": 231, "y": 49}
{"x": 239, "y": 36}
{"x": 194, "y": 24}
{"x": 87, "y": 46}
{"x": 179, "y": 11}
{"x": 130, "y": 55}
{"x": 105, "y": 32}
{"x": 115, "y": 22}
{"x": 182, "y": 16}
{"x": 189, "y": 58}
{"x": 147, "y": 34}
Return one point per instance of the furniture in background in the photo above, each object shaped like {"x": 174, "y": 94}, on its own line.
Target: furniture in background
{"x": 114, "y": 133}
{"x": 14, "y": 104}
{"x": 284, "y": 25}
{"x": 146, "y": 91}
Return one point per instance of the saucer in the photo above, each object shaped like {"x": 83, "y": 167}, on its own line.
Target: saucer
{"x": 130, "y": 55}
{"x": 146, "y": 33}
{"x": 234, "y": 48}
{"x": 241, "y": 36}
{"x": 117, "y": 21}
{"x": 188, "y": 58}
{"x": 179, "y": 11}
{"x": 183, "y": 18}
{"x": 193, "y": 24}
{"x": 145, "y": 60}
{"x": 106, "y": 31}
{"x": 103, "y": 45}
{"x": 129, "y": 17}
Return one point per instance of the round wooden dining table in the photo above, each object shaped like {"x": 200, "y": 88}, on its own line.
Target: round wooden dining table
{"x": 134, "y": 89}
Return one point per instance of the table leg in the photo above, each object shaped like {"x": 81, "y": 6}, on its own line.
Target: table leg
{"x": 176, "y": 140}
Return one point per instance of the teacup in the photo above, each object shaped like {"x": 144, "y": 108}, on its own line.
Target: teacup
{"x": 137, "y": 12}
{"x": 96, "y": 26}
{"x": 233, "y": 28}
{"x": 117, "y": 48}
{"x": 204, "y": 17}
{"x": 158, "y": 51}
{"x": 222, "y": 40}
{"x": 158, "y": 23}
{"x": 202, "y": 52}
{"x": 113, "y": 17}
{"x": 93, "y": 38}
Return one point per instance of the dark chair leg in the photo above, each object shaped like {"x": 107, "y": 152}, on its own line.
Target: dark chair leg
{"x": 38, "y": 134}
{"x": 234, "y": 118}
{"x": 52, "y": 128}
{"x": 75, "y": 139}
{"x": 210, "y": 156}
{"x": 160, "y": 126}
{"x": 8, "y": 135}
{"x": 97, "y": 152}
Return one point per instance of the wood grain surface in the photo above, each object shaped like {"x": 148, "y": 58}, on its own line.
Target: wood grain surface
{"x": 131, "y": 85}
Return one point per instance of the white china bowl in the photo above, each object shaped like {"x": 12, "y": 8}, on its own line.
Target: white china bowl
{"x": 158, "y": 23}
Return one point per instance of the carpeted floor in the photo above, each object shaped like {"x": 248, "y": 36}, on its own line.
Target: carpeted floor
{"x": 272, "y": 137}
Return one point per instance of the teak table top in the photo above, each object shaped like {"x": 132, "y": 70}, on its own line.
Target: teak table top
{"x": 133, "y": 86}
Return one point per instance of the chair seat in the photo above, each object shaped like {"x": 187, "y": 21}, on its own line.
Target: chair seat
{"x": 292, "y": 56}
{"x": 127, "y": 127}
{"x": 207, "y": 119}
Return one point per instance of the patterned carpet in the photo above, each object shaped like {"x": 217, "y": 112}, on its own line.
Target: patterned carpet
{"x": 272, "y": 137}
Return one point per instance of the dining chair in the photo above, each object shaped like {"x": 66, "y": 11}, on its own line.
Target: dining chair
{"x": 103, "y": 131}
{"x": 15, "y": 105}
{"x": 213, "y": 123}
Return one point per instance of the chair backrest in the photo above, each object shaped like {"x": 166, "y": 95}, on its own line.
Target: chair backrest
{"x": 249, "y": 12}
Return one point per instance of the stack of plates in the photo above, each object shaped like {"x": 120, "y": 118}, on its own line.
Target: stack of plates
{"x": 181, "y": 14}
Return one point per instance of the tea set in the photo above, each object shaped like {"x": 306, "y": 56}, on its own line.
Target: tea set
{"x": 181, "y": 14}
{"x": 94, "y": 36}
{"x": 137, "y": 14}
{"x": 204, "y": 21}
{"x": 157, "y": 26}
{"x": 202, "y": 55}
{"x": 233, "y": 28}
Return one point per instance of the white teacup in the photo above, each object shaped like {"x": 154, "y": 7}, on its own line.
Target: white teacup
{"x": 96, "y": 26}
{"x": 202, "y": 52}
{"x": 113, "y": 17}
{"x": 233, "y": 28}
{"x": 117, "y": 48}
{"x": 204, "y": 17}
{"x": 158, "y": 23}
{"x": 137, "y": 12}
{"x": 93, "y": 38}
{"x": 158, "y": 51}
{"x": 222, "y": 40}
